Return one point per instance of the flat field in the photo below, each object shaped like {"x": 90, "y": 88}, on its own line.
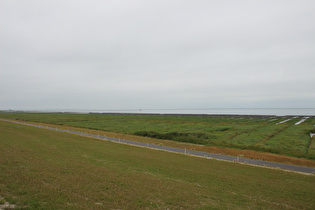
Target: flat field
{"x": 44, "y": 169}
{"x": 277, "y": 135}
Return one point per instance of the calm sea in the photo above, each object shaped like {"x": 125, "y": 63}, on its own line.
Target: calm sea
{"x": 278, "y": 112}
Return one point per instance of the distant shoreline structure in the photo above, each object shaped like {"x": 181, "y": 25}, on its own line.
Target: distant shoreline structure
{"x": 202, "y": 115}
{"x": 241, "y": 112}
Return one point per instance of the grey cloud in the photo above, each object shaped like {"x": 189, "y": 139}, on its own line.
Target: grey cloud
{"x": 156, "y": 54}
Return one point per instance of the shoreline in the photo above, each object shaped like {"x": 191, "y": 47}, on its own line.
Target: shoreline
{"x": 248, "y": 113}
{"x": 166, "y": 114}
{"x": 199, "y": 115}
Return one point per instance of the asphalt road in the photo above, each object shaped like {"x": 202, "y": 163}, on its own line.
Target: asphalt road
{"x": 183, "y": 151}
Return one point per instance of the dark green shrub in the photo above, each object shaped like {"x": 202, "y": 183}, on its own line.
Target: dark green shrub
{"x": 196, "y": 138}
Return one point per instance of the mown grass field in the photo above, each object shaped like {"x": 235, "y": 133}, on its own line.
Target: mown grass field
{"x": 264, "y": 134}
{"x": 44, "y": 169}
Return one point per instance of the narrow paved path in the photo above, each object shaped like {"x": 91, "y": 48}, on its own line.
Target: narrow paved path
{"x": 183, "y": 151}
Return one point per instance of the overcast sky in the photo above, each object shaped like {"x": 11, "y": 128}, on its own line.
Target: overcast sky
{"x": 98, "y": 54}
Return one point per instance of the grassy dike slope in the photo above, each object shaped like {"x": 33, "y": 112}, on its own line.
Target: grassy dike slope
{"x": 46, "y": 169}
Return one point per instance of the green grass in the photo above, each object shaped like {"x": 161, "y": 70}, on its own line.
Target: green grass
{"x": 311, "y": 148}
{"x": 43, "y": 169}
{"x": 260, "y": 134}
{"x": 296, "y": 135}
